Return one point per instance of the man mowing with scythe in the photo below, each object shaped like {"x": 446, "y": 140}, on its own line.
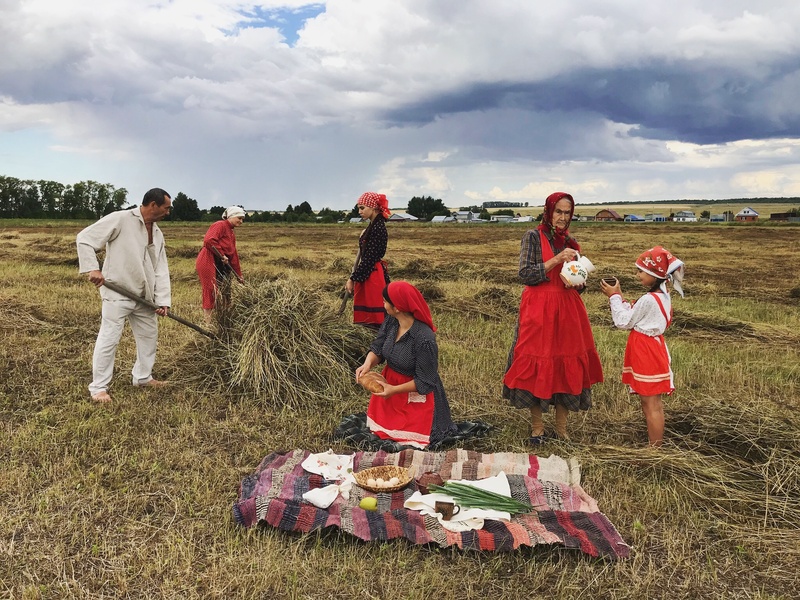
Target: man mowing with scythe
{"x": 136, "y": 259}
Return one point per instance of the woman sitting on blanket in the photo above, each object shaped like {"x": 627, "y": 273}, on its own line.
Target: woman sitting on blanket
{"x": 413, "y": 408}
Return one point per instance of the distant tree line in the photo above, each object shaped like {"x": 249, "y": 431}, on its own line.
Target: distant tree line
{"x": 32, "y": 199}
{"x": 29, "y": 199}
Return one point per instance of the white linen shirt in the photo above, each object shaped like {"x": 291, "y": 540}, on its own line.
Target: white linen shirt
{"x": 644, "y": 316}
{"x": 130, "y": 261}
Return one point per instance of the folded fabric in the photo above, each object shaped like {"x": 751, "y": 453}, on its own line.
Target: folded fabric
{"x": 332, "y": 467}
{"x": 323, "y": 497}
{"x": 466, "y": 518}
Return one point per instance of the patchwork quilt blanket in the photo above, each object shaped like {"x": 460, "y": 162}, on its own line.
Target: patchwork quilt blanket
{"x": 565, "y": 516}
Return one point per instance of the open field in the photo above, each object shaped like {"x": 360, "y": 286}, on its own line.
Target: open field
{"x": 134, "y": 499}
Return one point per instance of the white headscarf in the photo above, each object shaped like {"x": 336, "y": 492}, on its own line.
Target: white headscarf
{"x": 233, "y": 211}
{"x": 675, "y": 275}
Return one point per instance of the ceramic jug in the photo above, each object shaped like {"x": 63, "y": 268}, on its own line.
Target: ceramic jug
{"x": 575, "y": 272}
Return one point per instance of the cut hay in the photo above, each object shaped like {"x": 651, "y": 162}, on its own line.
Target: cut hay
{"x": 341, "y": 265}
{"x": 283, "y": 343}
{"x": 431, "y": 291}
{"x": 183, "y": 251}
{"x": 499, "y": 300}
{"x": 699, "y": 325}
{"x": 738, "y": 462}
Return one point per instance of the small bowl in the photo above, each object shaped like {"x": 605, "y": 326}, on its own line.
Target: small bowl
{"x": 610, "y": 280}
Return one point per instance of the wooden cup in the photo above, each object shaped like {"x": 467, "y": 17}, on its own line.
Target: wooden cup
{"x": 447, "y": 509}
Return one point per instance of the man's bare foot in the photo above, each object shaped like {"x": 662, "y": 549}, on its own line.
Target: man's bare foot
{"x": 101, "y": 397}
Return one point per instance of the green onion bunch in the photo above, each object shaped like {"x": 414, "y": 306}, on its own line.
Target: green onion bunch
{"x": 470, "y": 496}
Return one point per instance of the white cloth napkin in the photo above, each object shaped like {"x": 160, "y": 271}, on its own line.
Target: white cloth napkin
{"x": 333, "y": 467}
{"x": 467, "y": 518}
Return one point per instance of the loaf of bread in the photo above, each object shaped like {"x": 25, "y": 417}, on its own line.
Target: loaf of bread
{"x": 372, "y": 382}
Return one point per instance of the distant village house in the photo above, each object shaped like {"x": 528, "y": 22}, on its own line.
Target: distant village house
{"x": 685, "y": 216}
{"x": 747, "y": 214}
{"x": 466, "y": 216}
{"x": 607, "y": 215}
{"x": 402, "y": 217}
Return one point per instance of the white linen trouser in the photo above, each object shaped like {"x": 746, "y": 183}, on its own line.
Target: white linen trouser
{"x": 144, "y": 324}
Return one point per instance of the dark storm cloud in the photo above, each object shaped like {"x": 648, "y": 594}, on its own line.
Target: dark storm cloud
{"x": 703, "y": 104}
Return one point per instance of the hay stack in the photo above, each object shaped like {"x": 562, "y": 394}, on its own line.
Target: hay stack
{"x": 283, "y": 342}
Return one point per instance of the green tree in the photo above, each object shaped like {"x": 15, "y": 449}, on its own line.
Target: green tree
{"x": 30, "y": 202}
{"x": 119, "y": 200}
{"x": 97, "y": 197}
{"x": 51, "y": 196}
{"x": 330, "y": 216}
{"x": 425, "y": 207}
{"x": 304, "y": 208}
{"x": 11, "y": 190}
{"x": 185, "y": 209}
{"x": 706, "y": 214}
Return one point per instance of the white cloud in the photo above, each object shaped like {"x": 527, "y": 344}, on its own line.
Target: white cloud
{"x": 461, "y": 99}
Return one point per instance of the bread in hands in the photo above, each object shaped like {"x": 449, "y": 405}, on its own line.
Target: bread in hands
{"x": 372, "y": 382}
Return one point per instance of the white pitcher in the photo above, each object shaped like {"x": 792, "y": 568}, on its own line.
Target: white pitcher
{"x": 576, "y": 272}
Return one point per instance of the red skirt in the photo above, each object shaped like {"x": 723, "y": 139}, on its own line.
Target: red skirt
{"x": 368, "y": 298}
{"x": 405, "y": 418}
{"x": 554, "y": 352}
{"x": 646, "y": 368}
{"x": 207, "y": 271}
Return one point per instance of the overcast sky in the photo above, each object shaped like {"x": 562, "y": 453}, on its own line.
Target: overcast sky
{"x": 279, "y": 102}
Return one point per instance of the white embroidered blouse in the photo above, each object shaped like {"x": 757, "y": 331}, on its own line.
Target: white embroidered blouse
{"x": 644, "y": 316}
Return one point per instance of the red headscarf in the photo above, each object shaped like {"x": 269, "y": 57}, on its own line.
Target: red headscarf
{"x": 405, "y": 297}
{"x": 373, "y": 200}
{"x": 661, "y": 264}
{"x": 561, "y": 238}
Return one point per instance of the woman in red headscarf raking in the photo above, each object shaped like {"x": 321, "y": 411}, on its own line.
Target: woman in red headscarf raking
{"x": 553, "y": 359}
{"x": 413, "y": 408}
{"x": 369, "y": 275}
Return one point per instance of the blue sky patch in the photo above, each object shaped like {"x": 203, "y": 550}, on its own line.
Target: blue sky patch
{"x": 287, "y": 20}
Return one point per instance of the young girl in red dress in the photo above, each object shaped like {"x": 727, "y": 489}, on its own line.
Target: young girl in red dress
{"x": 646, "y": 367}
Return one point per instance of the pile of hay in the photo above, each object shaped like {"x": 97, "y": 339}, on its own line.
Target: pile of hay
{"x": 284, "y": 343}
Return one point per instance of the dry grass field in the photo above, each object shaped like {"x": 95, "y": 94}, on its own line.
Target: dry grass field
{"x": 133, "y": 499}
